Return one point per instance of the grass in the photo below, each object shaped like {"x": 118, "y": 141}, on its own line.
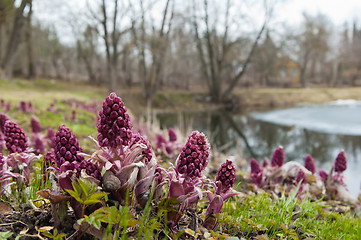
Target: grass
{"x": 287, "y": 218}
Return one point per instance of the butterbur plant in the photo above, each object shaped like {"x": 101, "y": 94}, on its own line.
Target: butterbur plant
{"x": 127, "y": 161}
{"x": 222, "y": 191}
{"x": 257, "y": 175}
{"x": 194, "y": 156}
{"x": 66, "y": 146}
{"x": 278, "y": 157}
{"x": 185, "y": 183}
{"x": 300, "y": 179}
{"x": 15, "y": 138}
{"x": 72, "y": 165}
{"x": 114, "y": 127}
{"x": 35, "y": 125}
{"x": 310, "y": 164}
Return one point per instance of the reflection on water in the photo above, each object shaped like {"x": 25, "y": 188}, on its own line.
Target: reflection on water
{"x": 258, "y": 139}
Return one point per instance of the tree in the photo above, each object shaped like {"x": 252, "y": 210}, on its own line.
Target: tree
{"x": 113, "y": 28}
{"x": 29, "y": 43}
{"x": 312, "y": 45}
{"x": 266, "y": 57}
{"x": 152, "y": 44}
{"x": 87, "y": 51}
{"x": 14, "y": 39}
{"x": 215, "y": 51}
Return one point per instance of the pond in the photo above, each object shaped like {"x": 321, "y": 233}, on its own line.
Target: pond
{"x": 320, "y": 130}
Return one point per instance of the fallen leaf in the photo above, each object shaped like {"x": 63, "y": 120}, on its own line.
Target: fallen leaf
{"x": 4, "y": 209}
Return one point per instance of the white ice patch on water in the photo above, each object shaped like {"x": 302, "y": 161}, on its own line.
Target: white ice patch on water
{"x": 338, "y": 117}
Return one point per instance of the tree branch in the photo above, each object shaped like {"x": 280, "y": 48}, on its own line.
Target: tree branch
{"x": 248, "y": 60}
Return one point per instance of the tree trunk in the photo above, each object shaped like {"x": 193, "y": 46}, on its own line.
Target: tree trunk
{"x": 14, "y": 40}
{"x": 29, "y": 44}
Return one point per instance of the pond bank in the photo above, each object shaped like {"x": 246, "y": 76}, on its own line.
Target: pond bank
{"x": 260, "y": 98}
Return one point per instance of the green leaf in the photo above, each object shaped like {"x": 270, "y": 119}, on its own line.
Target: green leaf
{"x": 96, "y": 223}
{"x": 91, "y": 201}
{"x": 85, "y": 186}
{"x": 97, "y": 195}
{"x": 5, "y": 235}
{"x": 76, "y": 188}
{"x": 168, "y": 204}
{"x": 75, "y": 195}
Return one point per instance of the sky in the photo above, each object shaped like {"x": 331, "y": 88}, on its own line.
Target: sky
{"x": 339, "y": 11}
{"x": 289, "y": 11}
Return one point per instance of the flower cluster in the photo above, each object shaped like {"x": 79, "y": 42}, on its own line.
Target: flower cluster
{"x": 278, "y": 157}
{"x": 35, "y": 125}
{"x": 282, "y": 176}
{"x": 227, "y": 174}
{"x": 66, "y": 147}
{"x": 15, "y": 138}
{"x": 125, "y": 158}
{"x": 114, "y": 127}
{"x": 194, "y": 156}
{"x": 310, "y": 164}
{"x": 223, "y": 190}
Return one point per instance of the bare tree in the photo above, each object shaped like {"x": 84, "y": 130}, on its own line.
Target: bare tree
{"x": 87, "y": 52}
{"x": 151, "y": 48}
{"x": 215, "y": 49}
{"x": 14, "y": 40}
{"x": 310, "y": 45}
{"x": 29, "y": 43}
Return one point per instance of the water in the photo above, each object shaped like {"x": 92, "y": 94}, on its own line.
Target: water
{"x": 320, "y": 130}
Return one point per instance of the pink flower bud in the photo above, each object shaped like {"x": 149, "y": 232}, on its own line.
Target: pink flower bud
{"x": 310, "y": 164}
{"x": 227, "y": 175}
{"x": 278, "y": 157}
{"x": 301, "y": 176}
{"x": 35, "y": 125}
{"x": 323, "y": 175}
{"x": 66, "y": 146}
{"x": 194, "y": 156}
{"x": 340, "y": 162}
{"x": 114, "y": 126}
{"x": 172, "y": 135}
{"x": 15, "y": 138}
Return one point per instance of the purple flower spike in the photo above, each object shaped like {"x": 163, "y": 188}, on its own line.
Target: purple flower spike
{"x": 114, "y": 127}
{"x": 39, "y": 145}
{"x": 323, "y": 175}
{"x": 148, "y": 151}
{"x": 256, "y": 173}
{"x": 255, "y": 168}
{"x": 265, "y": 162}
{"x": 160, "y": 141}
{"x": 90, "y": 168}
{"x": 172, "y": 135}
{"x": 35, "y": 125}
{"x": 310, "y": 164}
{"x": 8, "y": 107}
{"x": 227, "y": 175}
{"x": 14, "y": 137}
{"x": 3, "y": 119}
{"x": 194, "y": 156}
{"x": 301, "y": 176}
{"x": 278, "y": 157}
{"x": 340, "y": 162}
{"x": 66, "y": 146}
{"x": 50, "y": 136}
{"x": 23, "y": 107}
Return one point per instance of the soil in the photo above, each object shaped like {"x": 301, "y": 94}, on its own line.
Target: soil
{"x": 28, "y": 218}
